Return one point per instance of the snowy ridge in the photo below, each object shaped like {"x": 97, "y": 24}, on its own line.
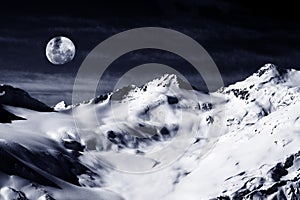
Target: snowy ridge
{"x": 179, "y": 137}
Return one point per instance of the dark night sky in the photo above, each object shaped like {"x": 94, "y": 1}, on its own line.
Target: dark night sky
{"x": 155, "y": 8}
{"x": 240, "y": 37}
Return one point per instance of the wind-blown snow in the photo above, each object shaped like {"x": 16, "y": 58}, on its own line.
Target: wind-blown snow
{"x": 165, "y": 141}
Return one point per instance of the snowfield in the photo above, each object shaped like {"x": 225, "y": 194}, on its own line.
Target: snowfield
{"x": 163, "y": 140}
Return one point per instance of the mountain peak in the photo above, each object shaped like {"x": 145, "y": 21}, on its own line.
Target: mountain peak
{"x": 267, "y": 73}
{"x": 264, "y": 81}
{"x": 171, "y": 80}
{"x": 165, "y": 80}
{"x": 269, "y": 70}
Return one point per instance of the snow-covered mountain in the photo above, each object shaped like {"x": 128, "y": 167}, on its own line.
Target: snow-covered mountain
{"x": 163, "y": 140}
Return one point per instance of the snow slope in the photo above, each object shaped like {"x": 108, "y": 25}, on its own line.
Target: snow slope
{"x": 163, "y": 140}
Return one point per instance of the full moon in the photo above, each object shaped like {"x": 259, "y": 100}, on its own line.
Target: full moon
{"x": 60, "y": 50}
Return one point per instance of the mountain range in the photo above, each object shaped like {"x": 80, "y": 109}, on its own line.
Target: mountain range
{"x": 163, "y": 140}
